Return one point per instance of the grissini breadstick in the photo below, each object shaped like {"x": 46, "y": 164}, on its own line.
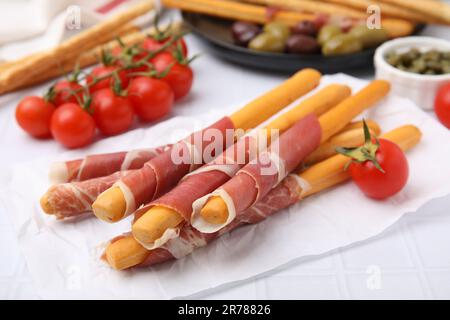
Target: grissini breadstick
{"x": 236, "y": 11}
{"x": 81, "y": 42}
{"x": 155, "y": 221}
{"x": 107, "y": 37}
{"x": 225, "y": 204}
{"x": 436, "y": 9}
{"x": 387, "y": 10}
{"x": 360, "y": 125}
{"x": 162, "y": 173}
{"x": 337, "y": 118}
{"x": 87, "y": 58}
{"x": 258, "y": 14}
{"x": 125, "y": 30}
{"x": 347, "y": 138}
{"x": 396, "y": 28}
{"x": 312, "y": 7}
{"x": 125, "y": 252}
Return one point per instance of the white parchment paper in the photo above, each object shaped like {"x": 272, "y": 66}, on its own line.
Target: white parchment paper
{"x": 63, "y": 257}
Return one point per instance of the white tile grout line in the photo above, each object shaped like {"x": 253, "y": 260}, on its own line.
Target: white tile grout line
{"x": 340, "y": 275}
{"x": 415, "y": 257}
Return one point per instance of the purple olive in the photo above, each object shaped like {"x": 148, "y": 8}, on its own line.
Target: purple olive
{"x": 307, "y": 28}
{"x": 243, "y": 32}
{"x": 302, "y": 44}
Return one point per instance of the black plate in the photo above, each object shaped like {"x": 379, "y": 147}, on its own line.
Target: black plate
{"x": 216, "y": 33}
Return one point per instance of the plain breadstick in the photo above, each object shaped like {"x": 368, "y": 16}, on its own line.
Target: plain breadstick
{"x": 90, "y": 57}
{"x": 270, "y": 103}
{"x": 313, "y": 7}
{"x": 437, "y": 9}
{"x": 337, "y": 118}
{"x": 348, "y": 138}
{"x": 127, "y": 29}
{"x": 79, "y": 43}
{"x": 236, "y": 11}
{"x": 387, "y": 10}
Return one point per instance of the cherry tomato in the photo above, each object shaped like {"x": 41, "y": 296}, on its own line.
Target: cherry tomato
{"x": 151, "y": 98}
{"x": 72, "y": 126}
{"x": 442, "y": 105}
{"x": 33, "y": 114}
{"x": 104, "y": 71}
{"x": 152, "y": 44}
{"x": 63, "y": 94}
{"x": 113, "y": 114}
{"x": 180, "y": 77}
{"x": 376, "y": 184}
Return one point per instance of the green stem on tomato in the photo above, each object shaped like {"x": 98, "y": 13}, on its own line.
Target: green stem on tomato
{"x": 367, "y": 152}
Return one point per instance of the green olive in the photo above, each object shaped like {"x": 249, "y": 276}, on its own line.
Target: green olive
{"x": 369, "y": 38}
{"x": 279, "y": 30}
{"x": 267, "y": 42}
{"x": 327, "y": 32}
{"x": 341, "y": 44}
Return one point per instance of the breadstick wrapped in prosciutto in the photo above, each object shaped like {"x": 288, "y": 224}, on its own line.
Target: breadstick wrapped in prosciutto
{"x": 100, "y": 165}
{"x": 161, "y": 173}
{"x": 220, "y": 208}
{"x": 161, "y": 219}
{"x": 125, "y": 252}
{"x": 71, "y": 199}
{"x": 256, "y": 179}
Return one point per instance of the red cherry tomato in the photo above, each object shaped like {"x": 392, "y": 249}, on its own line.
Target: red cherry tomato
{"x": 104, "y": 71}
{"x": 151, "y": 98}
{"x": 180, "y": 77}
{"x": 113, "y": 114}
{"x": 442, "y": 105}
{"x": 72, "y": 126}
{"x": 33, "y": 114}
{"x": 152, "y": 44}
{"x": 63, "y": 94}
{"x": 376, "y": 184}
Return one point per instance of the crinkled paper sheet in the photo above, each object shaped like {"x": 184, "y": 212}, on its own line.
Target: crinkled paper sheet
{"x": 63, "y": 257}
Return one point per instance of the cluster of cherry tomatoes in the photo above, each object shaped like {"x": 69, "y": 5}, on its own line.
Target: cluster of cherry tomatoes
{"x": 142, "y": 81}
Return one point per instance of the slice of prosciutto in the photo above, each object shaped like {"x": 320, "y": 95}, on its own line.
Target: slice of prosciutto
{"x": 285, "y": 194}
{"x": 100, "y": 165}
{"x": 203, "y": 181}
{"x": 160, "y": 174}
{"x": 256, "y": 179}
{"x": 72, "y": 199}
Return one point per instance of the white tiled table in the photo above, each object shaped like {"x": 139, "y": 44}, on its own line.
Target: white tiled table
{"x": 410, "y": 260}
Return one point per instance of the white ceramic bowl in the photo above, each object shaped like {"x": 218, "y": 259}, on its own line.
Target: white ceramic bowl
{"x": 421, "y": 89}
